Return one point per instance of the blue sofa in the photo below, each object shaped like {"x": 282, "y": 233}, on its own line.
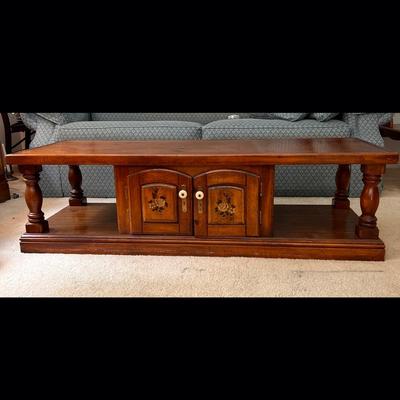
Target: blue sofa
{"x": 290, "y": 180}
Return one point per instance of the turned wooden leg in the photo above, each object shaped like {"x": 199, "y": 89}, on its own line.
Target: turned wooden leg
{"x": 367, "y": 228}
{"x": 34, "y": 199}
{"x": 75, "y": 179}
{"x": 341, "y": 199}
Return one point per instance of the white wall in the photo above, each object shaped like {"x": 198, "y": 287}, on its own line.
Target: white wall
{"x": 396, "y": 118}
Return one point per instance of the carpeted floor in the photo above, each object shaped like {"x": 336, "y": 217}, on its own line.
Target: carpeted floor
{"x": 93, "y": 275}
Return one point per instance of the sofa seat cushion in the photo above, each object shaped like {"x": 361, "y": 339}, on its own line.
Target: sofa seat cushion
{"x": 130, "y": 130}
{"x": 270, "y": 128}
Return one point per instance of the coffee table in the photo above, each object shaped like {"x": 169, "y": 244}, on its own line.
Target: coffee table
{"x": 205, "y": 198}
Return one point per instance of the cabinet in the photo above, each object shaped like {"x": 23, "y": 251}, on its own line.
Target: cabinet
{"x": 202, "y": 202}
{"x": 227, "y": 203}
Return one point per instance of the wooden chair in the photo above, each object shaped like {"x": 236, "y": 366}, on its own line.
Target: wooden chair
{"x": 4, "y": 188}
{"x": 391, "y": 130}
{"x": 10, "y": 129}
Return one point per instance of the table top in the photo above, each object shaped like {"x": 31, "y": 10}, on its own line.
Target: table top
{"x": 201, "y": 152}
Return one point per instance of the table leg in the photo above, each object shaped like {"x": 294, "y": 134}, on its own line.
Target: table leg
{"x": 341, "y": 199}
{"x": 34, "y": 199}
{"x": 75, "y": 179}
{"x": 367, "y": 226}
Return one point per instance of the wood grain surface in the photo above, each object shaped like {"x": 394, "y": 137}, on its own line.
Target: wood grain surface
{"x": 216, "y": 152}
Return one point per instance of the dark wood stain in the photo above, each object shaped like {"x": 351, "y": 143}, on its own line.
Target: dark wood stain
{"x": 227, "y": 208}
{"x": 203, "y": 152}
{"x": 299, "y": 232}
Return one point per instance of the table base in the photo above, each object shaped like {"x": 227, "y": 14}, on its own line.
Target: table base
{"x": 300, "y": 231}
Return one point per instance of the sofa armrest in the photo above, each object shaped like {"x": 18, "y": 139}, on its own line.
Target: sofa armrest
{"x": 31, "y": 119}
{"x": 365, "y": 126}
{"x": 65, "y": 118}
{"x": 45, "y": 129}
{"x": 386, "y": 118}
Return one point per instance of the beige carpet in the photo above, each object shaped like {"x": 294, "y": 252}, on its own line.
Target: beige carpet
{"x": 93, "y": 275}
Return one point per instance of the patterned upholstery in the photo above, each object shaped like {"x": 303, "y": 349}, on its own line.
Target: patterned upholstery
{"x": 50, "y": 178}
{"x": 99, "y": 180}
{"x": 264, "y": 128}
{"x": 285, "y": 116}
{"x": 290, "y": 180}
{"x": 288, "y": 116}
{"x": 30, "y": 120}
{"x": 323, "y": 116}
{"x": 130, "y": 130}
{"x": 365, "y": 127}
{"x": 201, "y": 118}
{"x": 65, "y": 118}
{"x": 385, "y": 118}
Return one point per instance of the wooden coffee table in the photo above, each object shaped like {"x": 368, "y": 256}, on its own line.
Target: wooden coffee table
{"x": 205, "y": 198}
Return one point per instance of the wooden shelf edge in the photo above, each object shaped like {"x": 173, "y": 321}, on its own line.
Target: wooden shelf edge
{"x": 79, "y": 230}
{"x": 266, "y": 248}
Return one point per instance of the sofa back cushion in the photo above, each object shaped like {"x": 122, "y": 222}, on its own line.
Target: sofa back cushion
{"x": 201, "y": 118}
{"x": 274, "y": 128}
{"x": 130, "y": 130}
{"x": 323, "y": 116}
{"x": 284, "y": 116}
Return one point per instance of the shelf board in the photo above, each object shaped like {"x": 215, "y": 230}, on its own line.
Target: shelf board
{"x": 300, "y": 231}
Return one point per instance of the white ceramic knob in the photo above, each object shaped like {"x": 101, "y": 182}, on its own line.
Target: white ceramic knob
{"x": 199, "y": 195}
{"x": 182, "y": 194}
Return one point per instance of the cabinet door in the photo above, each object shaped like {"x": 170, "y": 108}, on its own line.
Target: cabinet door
{"x": 160, "y": 202}
{"x": 227, "y": 203}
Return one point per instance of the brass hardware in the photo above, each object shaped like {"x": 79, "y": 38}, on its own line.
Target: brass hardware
{"x": 199, "y": 196}
{"x": 183, "y": 196}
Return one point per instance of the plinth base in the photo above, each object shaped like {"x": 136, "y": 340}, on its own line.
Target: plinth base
{"x": 300, "y": 231}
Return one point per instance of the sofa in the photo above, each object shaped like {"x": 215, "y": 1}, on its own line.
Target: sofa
{"x": 98, "y": 181}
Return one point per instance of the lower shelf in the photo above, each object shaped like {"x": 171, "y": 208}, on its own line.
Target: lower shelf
{"x": 315, "y": 232}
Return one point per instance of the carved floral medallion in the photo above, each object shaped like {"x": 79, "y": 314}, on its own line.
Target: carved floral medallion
{"x": 157, "y": 203}
{"x": 224, "y": 207}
